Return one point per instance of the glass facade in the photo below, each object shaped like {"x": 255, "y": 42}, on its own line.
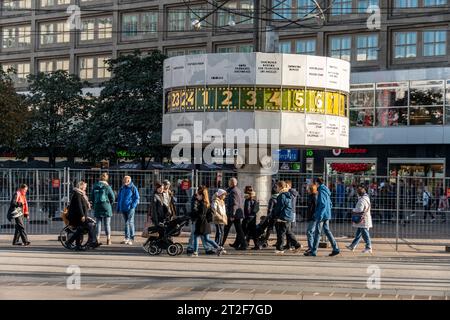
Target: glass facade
{"x": 412, "y": 103}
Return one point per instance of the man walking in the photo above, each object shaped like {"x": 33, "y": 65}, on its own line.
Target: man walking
{"x": 322, "y": 218}
{"x": 127, "y": 202}
{"x": 235, "y": 213}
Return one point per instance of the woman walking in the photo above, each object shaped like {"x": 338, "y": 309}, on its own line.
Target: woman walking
{"x": 18, "y": 209}
{"x": 251, "y": 209}
{"x": 78, "y": 217}
{"x": 219, "y": 214}
{"x": 202, "y": 216}
{"x": 362, "y": 220}
{"x": 312, "y": 202}
{"x": 103, "y": 197}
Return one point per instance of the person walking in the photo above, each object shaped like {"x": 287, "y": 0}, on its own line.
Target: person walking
{"x": 322, "y": 218}
{"x": 18, "y": 210}
{"x": 78, "y": 216}
{"x": 284, "y": 216}
{"x": 202, "y": 215}
{"x": 311, "y": 210}
{"x": 127, "y": 201}
{"x": 235, "y": 213}
{"x": 219, "y": 214}
{"x": 103, "y": 197}
{"x": 251, "y": 210}
{"x": 269, "y": 222}
{"x": 362, "y": 221}
{"x": 169, "y": 200}
{"x": 443, "y": 205}
{"x": 294, "y": 195}
{"x": 426, "y": 202}
{"x": 340, "y": 199}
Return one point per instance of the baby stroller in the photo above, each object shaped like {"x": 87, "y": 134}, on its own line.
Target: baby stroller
{"x": 160, "y": 237}
{"x": 263, "y": 230}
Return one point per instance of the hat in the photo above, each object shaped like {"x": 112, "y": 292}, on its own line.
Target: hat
{"x": 221, "y": 192}
{"x": 166, "y": 183}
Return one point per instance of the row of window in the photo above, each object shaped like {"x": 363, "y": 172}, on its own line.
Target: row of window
{"x": 297, "y": 9}
{"x": 89, "y": 68}
{"x": 10, "y": 5}
{"x": 400, "y": 103}
{"x": 365, "y": 47}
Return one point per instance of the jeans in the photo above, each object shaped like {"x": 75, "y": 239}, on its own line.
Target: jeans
{"x": 291, "y": 242}
{"x": 190, "y": 246}
{"x": 78, "y": 234}
{"x": 310, "y": 233}
{"x": 325, "y": 225}
{"x": 364, "y": 232}
{"x": 284, "y": 230}
{"x": 129, "y": 224}
{"x": 219, "y": 233}
{"x": 205, "y": 239}
{"x": 20, "y": 231}
{"x": 107, "y": 222}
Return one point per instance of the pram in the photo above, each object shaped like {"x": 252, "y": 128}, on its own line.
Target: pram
{"x": 160, "y": 237}
{"x": 263, "y": 230}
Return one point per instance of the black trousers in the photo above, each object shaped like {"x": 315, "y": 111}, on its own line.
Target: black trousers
{"x": 284, "y": 230}
{"x": 78, "y": 234}
{"x": 240, "y": 237}
{"x": 20, "y": 231}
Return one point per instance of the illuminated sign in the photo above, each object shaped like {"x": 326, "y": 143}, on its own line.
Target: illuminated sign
{"x": 288, "y": 155}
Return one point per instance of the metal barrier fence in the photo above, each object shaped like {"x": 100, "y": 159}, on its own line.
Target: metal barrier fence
{"x": 397, "y": 208}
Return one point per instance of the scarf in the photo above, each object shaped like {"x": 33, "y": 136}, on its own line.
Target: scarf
{"x": 83, "y": 194}
{"x": 23, "y": 200}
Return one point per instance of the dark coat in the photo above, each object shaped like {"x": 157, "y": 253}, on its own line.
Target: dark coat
{"x": 283, "y": 208}
{"x": 311, "y": 210}
{"x": 271, "y": 206}
{"x": 78, "y": 208}
{"x": 199, "y": 215}
{"x": 234, "y": 203}
{"x": 159, "y": 210}
{"x": 251, "y": 208}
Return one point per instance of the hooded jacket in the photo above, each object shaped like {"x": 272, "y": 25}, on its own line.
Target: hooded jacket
{"x": 128, "y": 198}
{"x": 102, "y": 209}
{"x": 323, "y": 205}
{"x": 283, "y": 208}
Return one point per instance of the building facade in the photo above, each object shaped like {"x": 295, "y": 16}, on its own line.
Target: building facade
{"x": 400, "y": 92}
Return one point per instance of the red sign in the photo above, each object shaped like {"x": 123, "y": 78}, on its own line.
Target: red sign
{"x": 56, "y": 183}
{"x": 338, "y": 152}
{"x": 448, "y": 192}
{"x": 185, "y": 185}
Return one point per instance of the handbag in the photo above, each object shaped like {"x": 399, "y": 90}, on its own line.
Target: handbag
{"x": 17, "y": 212}
{"x": 357, "y": 218}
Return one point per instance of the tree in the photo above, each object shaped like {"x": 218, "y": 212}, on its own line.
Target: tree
{"x": 13, "y": 110}
{"x": 128, "y": 116}
{"x": 57, "y": 109}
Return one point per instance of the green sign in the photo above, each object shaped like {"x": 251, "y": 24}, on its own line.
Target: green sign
{"x": 124, "y": 154}
{"x": 309, "y": 153}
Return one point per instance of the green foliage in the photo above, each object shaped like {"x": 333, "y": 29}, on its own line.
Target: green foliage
{"x": 128, "y": 116}
{"x": 57, "y": 111}
{"x": 14, "y": 113}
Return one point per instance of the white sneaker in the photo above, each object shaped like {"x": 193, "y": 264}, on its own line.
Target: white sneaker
{"x": 349, "y": 247}
{"x": 367, "y": 251}
{"x": 130, "y": 242}
{"x": 125, "y": 241}
{"x": 194, "y": 254}
{"x": 279, "y": 251}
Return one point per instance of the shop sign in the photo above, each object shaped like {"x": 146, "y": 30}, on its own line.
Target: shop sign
{"x": 185, "y": 185}
{"x": 290, "y": 166}
{"x": 309, "y": 153}
{"x": 56, "y": 183}
{"x": 288, "y": 155}
{"x": 338, "y": 152}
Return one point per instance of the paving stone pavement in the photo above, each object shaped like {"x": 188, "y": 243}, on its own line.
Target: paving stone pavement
{"x": 127, "y": 272}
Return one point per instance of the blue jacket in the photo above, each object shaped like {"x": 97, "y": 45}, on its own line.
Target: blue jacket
{"x": 323, "y": 206}
{"x": 283, "y": 208}
{"x": 128, "y": 198}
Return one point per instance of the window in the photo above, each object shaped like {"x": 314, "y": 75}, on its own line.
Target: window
{"x": 306, "y": 46}
{"x": 16, "y": 37}
{"x": 282, "y": 9}
{"x": 182, "y": 52}
{"x": 426, "y": 102}
{"x": 54, "y": 33}
{"x": 434, "y": 43}
{"x": 139, "y": 25}
{"x": 285, "y": 47}
{"x": 99, "y": 28}
{"x": 405, "y": 45}
{"x": 406, "y": 3}
{"x": 391, "y": 104}
{"x": 53, "y": 65}
{"x": 341, "y": 7}
{"x": 94, "y": 68}
{"x": 179, "y": 19}
{"x": 367, "y": 47}
{"x": 49, "y": 3}
{"x": 362, "y": 105}
{"x": 235, "y": 48}
{"x": 341, "y": 47}
{"x": 364, "y": 4}
{"x": 226, "y": 17}
{"x": 22, "y": 71}
{"x": 304, "y": 7}
{"x": 9, "y": 5}
{"x": 433, "y": 3}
